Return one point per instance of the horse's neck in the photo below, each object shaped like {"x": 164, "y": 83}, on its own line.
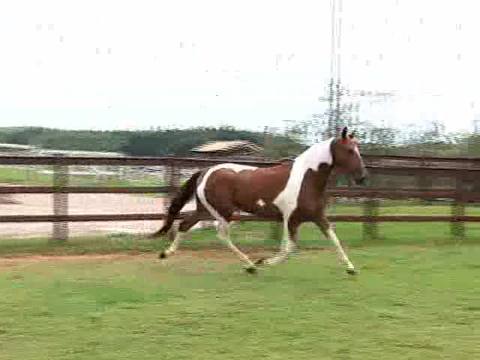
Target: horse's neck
{"x": 321, "y": 177}
{"x": 316, "y": 155}
{"x": 318, "y": 158}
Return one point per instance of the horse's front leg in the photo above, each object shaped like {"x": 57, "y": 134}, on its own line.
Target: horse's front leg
{"x": 288, "y": 243}
{"x": 328, "y": 231}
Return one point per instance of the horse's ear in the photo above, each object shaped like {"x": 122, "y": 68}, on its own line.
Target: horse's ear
{"x": 344, "y": 133}
{"x": 352, "y": 135}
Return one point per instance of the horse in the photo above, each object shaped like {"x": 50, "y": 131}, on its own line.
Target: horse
{"x": 292, "y": 192}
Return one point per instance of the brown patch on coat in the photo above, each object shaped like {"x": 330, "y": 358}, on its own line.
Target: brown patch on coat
{"x": 228, "y": 191}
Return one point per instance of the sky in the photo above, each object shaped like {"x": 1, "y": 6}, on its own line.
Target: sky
{"x": 140, "y": 64}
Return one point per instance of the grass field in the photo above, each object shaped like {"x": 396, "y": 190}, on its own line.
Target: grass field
{"x": 409, "y": 302}
{"x": 417, "y": 297}
{"x": 20, "y": 176}
{"x": 249, "y": 235}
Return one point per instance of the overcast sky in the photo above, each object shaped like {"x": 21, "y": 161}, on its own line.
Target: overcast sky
{"x": 136, "y": 64}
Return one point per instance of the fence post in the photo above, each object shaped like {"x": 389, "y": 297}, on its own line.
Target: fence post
{"x": 424, "y": 182}
{"x": 371, "y": 210}
{"x": 173, "y": 178}
{"x": 457, "y": 228}
{"x": 169, "y": 177}
{"x": 60, "y": 199}
{"x": 370, "y": 227}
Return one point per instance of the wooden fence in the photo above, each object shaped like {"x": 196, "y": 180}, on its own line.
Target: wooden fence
{"x": 463, "y": 173}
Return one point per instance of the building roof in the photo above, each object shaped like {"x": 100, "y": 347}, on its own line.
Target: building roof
{"x": 16, "y": 147}
{"x": 228, "y": 147}
{"x": 80, "y": 153}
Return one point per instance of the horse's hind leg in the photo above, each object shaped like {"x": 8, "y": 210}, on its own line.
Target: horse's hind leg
{"x": 224, "y": 234}
{"x": 290, "y": 229}
{"x": 178, "y": 234}
{"x": 327, "y": 230}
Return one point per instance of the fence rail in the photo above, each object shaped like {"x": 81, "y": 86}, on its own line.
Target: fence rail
{"x": 85, "y": 190}
{"x": 145, "y": 217}
{"x": 397, "y": 194}
{"x": 461, "y": 170}
{"x": 371, "y": 161}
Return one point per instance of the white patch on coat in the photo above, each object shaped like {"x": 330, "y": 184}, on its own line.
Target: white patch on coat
{"x": 261, "y": 203}
{"x": 287, "y": 200}
{"x": 356, "y": 150}
{"x": 201, "y": 187}
{"x": 311, "y": 158}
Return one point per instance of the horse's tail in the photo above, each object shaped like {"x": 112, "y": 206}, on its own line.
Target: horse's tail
{"x": 185, "y": 193}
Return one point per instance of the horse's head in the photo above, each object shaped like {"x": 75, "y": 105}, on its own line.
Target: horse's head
{"x": 347, "y": 158}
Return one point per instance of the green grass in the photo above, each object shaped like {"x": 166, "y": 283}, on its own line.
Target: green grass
{"x": 403, "y": 208}
{"x": 248, "y": 235}
{"x": 409, "y": 302}
{"x": 416, "y": 297}
{"x": 19, "y": 176}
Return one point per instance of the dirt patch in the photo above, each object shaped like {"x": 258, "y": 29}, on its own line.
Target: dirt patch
{"x": 224, "y": 256}
{"x": 42, "y": 204}
{"x": 11, "y": 261}
{"x": 220, "y": 255}
{"x": 7, "y": 200}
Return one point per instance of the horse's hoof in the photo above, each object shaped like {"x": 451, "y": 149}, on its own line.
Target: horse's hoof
{"x": 260, "y": 261}
{"x": 162, "y": 255}
{"x": 351, "y": 271}
{"x": 251, "y": 270}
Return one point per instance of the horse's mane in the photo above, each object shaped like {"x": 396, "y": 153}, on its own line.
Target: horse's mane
{"x": 286, "y": 159}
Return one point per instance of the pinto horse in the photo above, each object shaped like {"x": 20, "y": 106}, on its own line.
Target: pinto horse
{"x": 292, "y": 192}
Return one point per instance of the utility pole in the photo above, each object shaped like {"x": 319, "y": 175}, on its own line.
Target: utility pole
{"x": 476, "y": 125}
{"x": 334, "y": 86}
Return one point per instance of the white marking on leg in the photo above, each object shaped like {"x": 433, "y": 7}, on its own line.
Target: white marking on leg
{"x": 286, "y": 248}
{"x": 224, "y": 234}
{"x": 205, "y": 225}
{"x": 343, "y": 256}
{"x": 177, "y": 238}
{"x": 175, "y": 243}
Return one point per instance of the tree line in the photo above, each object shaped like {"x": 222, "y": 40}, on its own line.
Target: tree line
{"x": 159, "y": 142}
{"x": 381, "y": 140}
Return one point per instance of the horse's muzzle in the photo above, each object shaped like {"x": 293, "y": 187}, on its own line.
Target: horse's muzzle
{"x": 361, "y": 178}
{"x": 360, "y": 181}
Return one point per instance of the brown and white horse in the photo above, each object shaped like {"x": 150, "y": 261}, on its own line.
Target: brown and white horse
{"x": 292, "y": 192}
